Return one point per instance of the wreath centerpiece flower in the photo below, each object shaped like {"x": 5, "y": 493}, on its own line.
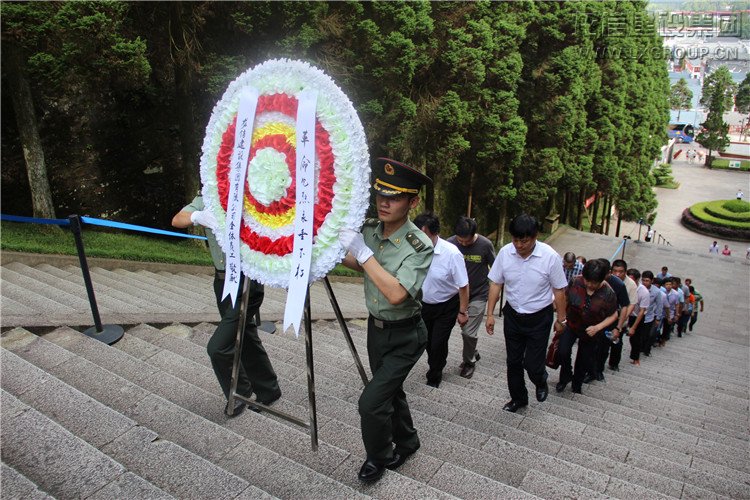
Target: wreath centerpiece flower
{"x": 342, "y": 169}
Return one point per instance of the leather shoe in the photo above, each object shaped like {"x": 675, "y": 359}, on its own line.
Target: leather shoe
{"x": 266, "y": 402}
{"x": 560, "y": 387}
{"x": 239, "y": 407}
{"x": 433, "y": 383}
{"x": 398, "y": 460}
{"x": 467, "y": 371}
{"x": 513, "y": 406}
{"x": 371, "y": 471}
{"x": 614, "y": 368}
{"x": 588, "y": 378}
{"x": 600, "y": 377}
{"x": 542, "y": 392}
{"x": 576, "y": 390}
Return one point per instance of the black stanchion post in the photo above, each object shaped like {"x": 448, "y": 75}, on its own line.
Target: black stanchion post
{"x": 109, "y": 334}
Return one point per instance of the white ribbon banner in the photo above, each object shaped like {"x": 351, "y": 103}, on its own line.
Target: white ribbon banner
{"x": 299, "y": 274}
{"x": 243, "y": 134}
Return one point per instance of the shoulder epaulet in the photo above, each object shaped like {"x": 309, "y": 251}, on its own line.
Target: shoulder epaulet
{"x": 415, "y": 242}
{"x": 372, "y": 222}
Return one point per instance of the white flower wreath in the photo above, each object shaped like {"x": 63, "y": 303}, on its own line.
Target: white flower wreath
{"x": 342, "y": 160}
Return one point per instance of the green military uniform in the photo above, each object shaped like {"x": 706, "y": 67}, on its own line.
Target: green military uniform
{"x": 256, "y": 373}
{"x": 396, "y": 334}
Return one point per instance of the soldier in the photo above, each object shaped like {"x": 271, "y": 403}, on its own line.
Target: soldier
{"x": 394, "y": 256}
{"x": 256, "y": 373}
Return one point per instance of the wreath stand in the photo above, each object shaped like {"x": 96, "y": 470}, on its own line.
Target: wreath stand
{"x": 312, "y": 424}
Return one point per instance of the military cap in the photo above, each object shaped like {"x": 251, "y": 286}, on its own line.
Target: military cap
{"x": 392, "y": 178}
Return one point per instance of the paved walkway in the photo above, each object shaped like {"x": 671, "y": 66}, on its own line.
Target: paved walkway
{"x": 697, "y": 183}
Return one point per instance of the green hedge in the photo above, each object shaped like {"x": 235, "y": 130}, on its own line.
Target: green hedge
{"x": 737, "y": 206}
{"x": 721, "y": 210}
{"x": 724, "y": 163}
{"x": 699, "y": 211}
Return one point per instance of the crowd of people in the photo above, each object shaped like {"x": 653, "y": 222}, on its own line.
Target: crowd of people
{"x": 418, "y": 286}
{"x": 607, "y": 303}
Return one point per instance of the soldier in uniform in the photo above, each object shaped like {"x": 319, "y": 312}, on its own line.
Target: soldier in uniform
{"x": 394, "y": 256}
{"x": 256, "y": 373}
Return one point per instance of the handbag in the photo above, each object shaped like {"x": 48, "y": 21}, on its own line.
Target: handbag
{"x": 554, "y": 346}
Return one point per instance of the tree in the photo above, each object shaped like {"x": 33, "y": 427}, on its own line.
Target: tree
{"x": 681, "y": 97}
{"x": 81, "y": 65}
{"x": 23, "y": 107}
{"x": 742, "y": 102}
{"x": 718, "y": 94}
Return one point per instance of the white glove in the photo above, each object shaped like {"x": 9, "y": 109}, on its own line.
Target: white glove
{"x": 204, "y": 218}
{"x": 354, "y": 242}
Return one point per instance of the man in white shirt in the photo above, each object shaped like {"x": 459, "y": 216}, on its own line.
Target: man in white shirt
{"x": 619, "y": 269}
{"x": 445, "y": 296}
{"x": 638, "y": 326}
{"x": 532, "y": 274}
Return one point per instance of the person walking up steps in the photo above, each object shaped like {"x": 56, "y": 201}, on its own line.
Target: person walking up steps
{"x": 533, "y": 277}
{"x": 394, "y": 256}
{"x": 479, "y": 255}
{"x": 445, "y": 297}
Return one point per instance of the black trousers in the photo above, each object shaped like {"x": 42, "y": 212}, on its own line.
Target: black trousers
{"x": 667, "y": 329}
{"x": 615, "y": 353}
{"x": 603, "y": 346}
{"x": 564, "y": 355}
{"x": 384, "y": 412}
{"x": 439, "y": 320}
{"x": 256, "y": 373}
{"x": 638, "y": 338}
{"x": 526, "y": 338}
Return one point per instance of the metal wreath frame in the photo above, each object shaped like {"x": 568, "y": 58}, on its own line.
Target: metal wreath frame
{"x": 312, "y": 424}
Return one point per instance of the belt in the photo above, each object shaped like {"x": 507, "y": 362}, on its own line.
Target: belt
{"x": 509, "y": 308}
{"x": 220, "y": 274}
{"x": 401, "y": 323}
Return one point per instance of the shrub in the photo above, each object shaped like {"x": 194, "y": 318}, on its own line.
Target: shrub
{"x": 737, "y": 206}
{"x": 663, "y": 174}
{"x": 711, "y": 229}
{"x": 718, "y": 209}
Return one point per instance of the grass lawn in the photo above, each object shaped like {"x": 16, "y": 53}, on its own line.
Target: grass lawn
{"x": 47, "y": 239}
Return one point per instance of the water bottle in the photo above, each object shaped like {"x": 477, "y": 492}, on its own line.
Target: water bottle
{"x": 609, "y": 335}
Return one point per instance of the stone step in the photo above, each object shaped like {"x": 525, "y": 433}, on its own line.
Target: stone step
{"x": 494, "y": 388}
{"x": 649, "y": 479}
{"x": 18, "y": 486}
{"x": 114, "y": 433}
{"x": 10, "y": 306}
{"x": 72, "y": 283}
{"x": 203, "y": 295}
{"x": 739, "y": 414}
{"x": 170, "y": 420}
{"x": 157, "y": 296}
{"x": 62, "y": 464}
{"x": 38, "y": 297}
{"x": 709, "y": 450}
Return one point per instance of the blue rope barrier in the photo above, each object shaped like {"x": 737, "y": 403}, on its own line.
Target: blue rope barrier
{"x": 34, "y": 220}
{"x": 133, "y": 227}
{"x": 617, "y": 251}
{"x": 99, "y": 222}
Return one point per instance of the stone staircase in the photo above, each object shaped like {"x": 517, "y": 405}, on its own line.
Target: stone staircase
{"x": 144, "y": 418}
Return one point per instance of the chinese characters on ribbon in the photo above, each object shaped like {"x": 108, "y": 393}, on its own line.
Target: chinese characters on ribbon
{"x": 240, "y": 155}
{"x": 303, "y": 219}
